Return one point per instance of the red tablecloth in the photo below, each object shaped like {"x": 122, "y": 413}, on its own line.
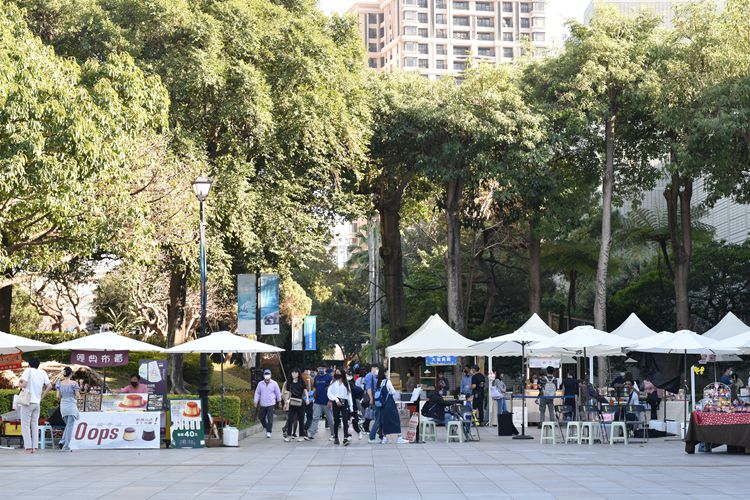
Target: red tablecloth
{"x": 718, "y": 418}
{"x": 715, "y": 429}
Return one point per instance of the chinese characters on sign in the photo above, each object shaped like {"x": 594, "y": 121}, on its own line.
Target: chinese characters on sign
{"x": 311, "y": 333}
{"x": 186, "y": 423}
{"x": 10, "y": 361}
{"x": 440, "y": 360}
{"x": 99, "y": 359}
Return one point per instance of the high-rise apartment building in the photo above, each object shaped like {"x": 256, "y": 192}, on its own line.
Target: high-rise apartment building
{"x": 663, "y": 9}
{"x": 438, "y": 37}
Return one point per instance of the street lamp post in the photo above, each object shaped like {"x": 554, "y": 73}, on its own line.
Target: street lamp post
{"x": 201, "y": 187}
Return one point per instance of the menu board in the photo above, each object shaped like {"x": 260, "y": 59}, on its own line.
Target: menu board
{"x": 93, "y": 402}
{"x": 155, "y": 402}
{"x": 101, "y": 431}
{"x": 186, "y": 423}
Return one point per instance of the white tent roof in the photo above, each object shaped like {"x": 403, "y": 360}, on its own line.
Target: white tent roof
{"x": 10, "y": 344}
{"x": 580, "y": 338}
{"x": 686, "y": 342}
{"x": 741, "y": 342}
{"x": 729, "y": 326}
{"x": 223, "y": 342}
{"x": 633, "y": 328}
{"x": 507, "y": 345}
{"x": 107, "y": 341}
{"x": 535, "y": 324}
{"x": 433, "y": 338}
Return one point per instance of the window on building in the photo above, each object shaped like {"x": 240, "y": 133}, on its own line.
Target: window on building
{"x": 382, "y": 44}
{"x": 410, "y": 15}
{"x": 382, "y": 32}
{"x": 461, "y": 5}
{"x": 539, "y": 6}
{"x": 372, "y": 33}
{"x": 440, "y": 49}
{"x": 372, "y": 62}
{"x": 411, "y": 46}
{"x": 508, "y": 52}
{"x": 410, "y": 30}
{"x": 459, "y": 65}
{"x": 485, "y": 22}
{"x": 439, "y": 18}
{"x": 441, "y": 33}
{"x": 525, "y": 22}
{"x": 424, "y": 63}
{"x": 440, "y": 4}
{"x": 422, "y": 17}
{"x": 410, "y": 2}
{"x": 440, "y": 64}
{"x": 486, "y": 51}
{"x": 461, "y": 35}
{"x": 410, "y": 62}
{"x": 538, "y": 37}
{"x": 484, "y": 6}
{"x": 460, "y": 21}
{"x": 485, "y": 36}
{"x": 372, "y": 18}
{"x": 507, "y": 36}
{"x": 423, "y": 48}
{"x": 538, "y": 22}
{"x": 507, "y": 22}
{"x": 382, "y": 61}
{"x": 507, "y": 6}
{"x": 372, "y": 47}
{"x": 460, "y": 50}
{"x": 525, "y": 7}
{"x": 424, "y": 32}
{"x": 422, "y": 4}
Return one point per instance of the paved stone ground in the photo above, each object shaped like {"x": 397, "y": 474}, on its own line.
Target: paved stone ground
{"x": 271, "y": 469}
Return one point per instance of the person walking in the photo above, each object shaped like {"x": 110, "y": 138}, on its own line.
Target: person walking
{"x": 67, "y": 392}
{"x": 340, "y": 398}
{"x": 297, "y": 390}
{"x": 321, "y": 407}
{"x": 499, "y": 390}
{"x": 477, "y": 392}
{"x": 35, "y": 384}
{"x": 465, "y": 387}
{"x": 369, "y": 385}
{"x": 267, "y": 396}
{"x": 386, "y": 413}
{"x": 357, "y": 394}
{"x": 309, "y": 404}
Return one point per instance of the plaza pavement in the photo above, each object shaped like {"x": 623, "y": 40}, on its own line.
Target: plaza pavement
{"x": 267, "y": 469}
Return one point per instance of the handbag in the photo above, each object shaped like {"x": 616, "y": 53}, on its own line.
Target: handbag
{"x": 296, "y": 402}
{"x": 24, "y": 398}
{"x": 496, "y": 393}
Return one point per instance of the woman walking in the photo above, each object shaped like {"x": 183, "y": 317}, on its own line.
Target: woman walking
{"x": 386, "y": 412}
{"x": 340, "y": 396}
{"x": 498, "y": 393}
{"x": 297, "y": 389}
{"x": 67, "y": 392}
{"x": 35, "y": 384}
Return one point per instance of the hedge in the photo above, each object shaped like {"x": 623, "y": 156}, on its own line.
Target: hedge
{"x": 48, "y": 404}
{"x": 231, "y": 406}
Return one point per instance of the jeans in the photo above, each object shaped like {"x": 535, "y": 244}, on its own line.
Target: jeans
{"x": 375, "y": 426}
{"x": 308, "y": 417}
{"x": 29, "y": 425}
{"x": 501, "y": 406}
{"x": 296, "y": 415}
{"x": 319, "y": 410}
{"x": 70, "y": 422}
{"x": 265, "y": 416}
{"x": 549, "y": 405}
{"x": 340, "y": 416}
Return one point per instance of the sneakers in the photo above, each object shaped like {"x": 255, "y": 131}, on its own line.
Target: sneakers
{"x": 402, "y": 441}
{"x": 287, "y": 439}
{"x": 361, "y": 435}
{"x": 373, "y": 441}
{"x": 268, "y": 434}
{"x": 385, "y": 440}
{"x": 336, "y": 441}
{"x": 331, "y": 438}
{"x": 299, "y": 440}
{"x": 347, "y": 440}
{"x": 309, "y": 438}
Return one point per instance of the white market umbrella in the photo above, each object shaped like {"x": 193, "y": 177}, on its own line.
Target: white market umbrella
{"x": 222, "y": 342}
{"x": 633, "y": 328}
{"x": 740, "y": 342}
{"x": 10, "y": 344}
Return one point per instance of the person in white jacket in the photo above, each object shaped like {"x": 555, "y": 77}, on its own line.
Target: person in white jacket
{"x": 340, "y": 397}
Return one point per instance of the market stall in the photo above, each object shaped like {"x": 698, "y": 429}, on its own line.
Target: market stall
{"x": 719, "y": 419}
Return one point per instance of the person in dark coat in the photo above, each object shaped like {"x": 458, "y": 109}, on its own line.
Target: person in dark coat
{"x": 435, "y": 408}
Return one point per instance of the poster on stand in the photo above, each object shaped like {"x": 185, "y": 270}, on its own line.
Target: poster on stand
{"x": 247, "y": 304}
{"x": 153, "y": 373}
{"x": 186, "y": 423}
{"x": 311, "y": 333}
{"x": 111, "y": 431}
{"x": 269, "y": 304}
{"x": 298, "y": 334}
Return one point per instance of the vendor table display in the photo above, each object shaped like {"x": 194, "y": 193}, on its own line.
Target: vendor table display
{"x": 719, "y": 420}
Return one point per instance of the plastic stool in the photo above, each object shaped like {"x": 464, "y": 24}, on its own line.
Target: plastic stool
{"x": 573, "y": 432}
{"x": 43, "y": 431}
{"x": 553, "y": 428}
{"x": 454, "y": 425}
{"x": 427, "y": 430}
{"x": 623, "y": 431}
{"x": 590, "y": 432}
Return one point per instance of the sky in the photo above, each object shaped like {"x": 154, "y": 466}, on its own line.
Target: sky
{"x": 558, "y": 11}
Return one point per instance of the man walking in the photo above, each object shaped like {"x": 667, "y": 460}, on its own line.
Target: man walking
{"x": 267, "y": 396}
{"x": 320, "y": 406}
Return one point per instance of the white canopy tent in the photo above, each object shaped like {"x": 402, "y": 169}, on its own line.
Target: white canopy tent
{"x": 10, "y": 344}
{"x": 633, "y": 328}
{"x": 107, "y": 341}
{"x": 434, "y": 338}
{"x": 740, "y": 342}
{"x": 729, "y": 326}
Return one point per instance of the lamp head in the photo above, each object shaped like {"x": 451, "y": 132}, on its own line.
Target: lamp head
{"x": 201, "y": 187}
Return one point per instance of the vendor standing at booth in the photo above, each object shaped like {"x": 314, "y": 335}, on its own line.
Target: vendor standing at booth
{"x": 135, "y": 386}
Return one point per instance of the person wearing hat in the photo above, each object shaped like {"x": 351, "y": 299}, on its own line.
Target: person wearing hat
{"x": 267, "y": 396}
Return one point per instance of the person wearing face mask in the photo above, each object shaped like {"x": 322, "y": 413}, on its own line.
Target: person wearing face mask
{"x": 135, "y": 387}
{"x": 357, "y": 393}
{"x": 297, "y": 390}
{"x": 465, "y": 387}
{"x": 387, "y": 419}
{"x": 340, "y": 397}
{"x": 321, "y": 404}
{"x": 370, "y": 381}
{"x": 267, "y": 396}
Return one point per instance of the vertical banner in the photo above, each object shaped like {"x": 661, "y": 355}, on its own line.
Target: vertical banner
{"x": 247, "y": 304}
{"x": 153, "y": 373}
{"x": 269, "y": 304}
{"x": 311, "y": 333}
{"x": 186, "y": 423}
{"x": 298, "y": 334}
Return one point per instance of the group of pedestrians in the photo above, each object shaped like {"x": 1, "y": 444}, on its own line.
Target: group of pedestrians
{"x": 358, "y": 400}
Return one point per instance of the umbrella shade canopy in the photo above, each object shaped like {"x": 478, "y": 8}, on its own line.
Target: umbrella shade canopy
{"x": 649, "y": 342}
{"x": 633, "y": 328}
{"x": 434, "y": 338}
{"x": 729, "y": 326}
{"x": 583, "y": 338}
{"x": 10, "y": 344}
{"x": 740, "y": 342}
{"x": 107, "y": 341}
{"x": 223, "y": 342}
{"x": 684, "y": 342}
{"x": 507, "y": 345}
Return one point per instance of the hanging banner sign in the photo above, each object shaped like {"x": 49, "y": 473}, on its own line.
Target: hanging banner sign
{"x": 186, "y": 423}
{"x": 544, "y": 362}
{"x": 11, "y": 361}
{"x": 99, "y": 359}
{"x": 111, "y": 431}
{"x": 440, "y": 360}
{"x": 298, "y": 334}
{"x": 311, "y": 333}
{"x": 269, "y": 304}
{"x": 247, "y": 304}
{"x": 153, "y": 373}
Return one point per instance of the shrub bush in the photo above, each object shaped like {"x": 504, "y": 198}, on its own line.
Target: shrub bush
{"x": 48, "y": 404}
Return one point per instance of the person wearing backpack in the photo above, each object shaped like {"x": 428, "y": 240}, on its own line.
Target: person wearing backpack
{"x": 386, "y": 412}
{"x": 547, "y": 390}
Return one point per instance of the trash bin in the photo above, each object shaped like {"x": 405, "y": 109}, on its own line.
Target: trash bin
{"x": 231, "y": 436}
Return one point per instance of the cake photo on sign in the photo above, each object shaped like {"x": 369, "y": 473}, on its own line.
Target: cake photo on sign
{"x": 133, "y": 401}
{"x": 129, "y": 434}
{"x": 191, "y": 409}
{"x": 149, "y": 435}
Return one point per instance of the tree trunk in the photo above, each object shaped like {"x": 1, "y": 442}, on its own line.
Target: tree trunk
{"x": 176, "y": 331}
{"x": 573, "y": 277}
{"x": 492, "y": 291}
{"x": 678, "y": 195}
{"x": 389, "y": 207}
{"x": 6, "y": 303}
{"x": 535, "y": 271}
{"x": 456, "y": 313}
